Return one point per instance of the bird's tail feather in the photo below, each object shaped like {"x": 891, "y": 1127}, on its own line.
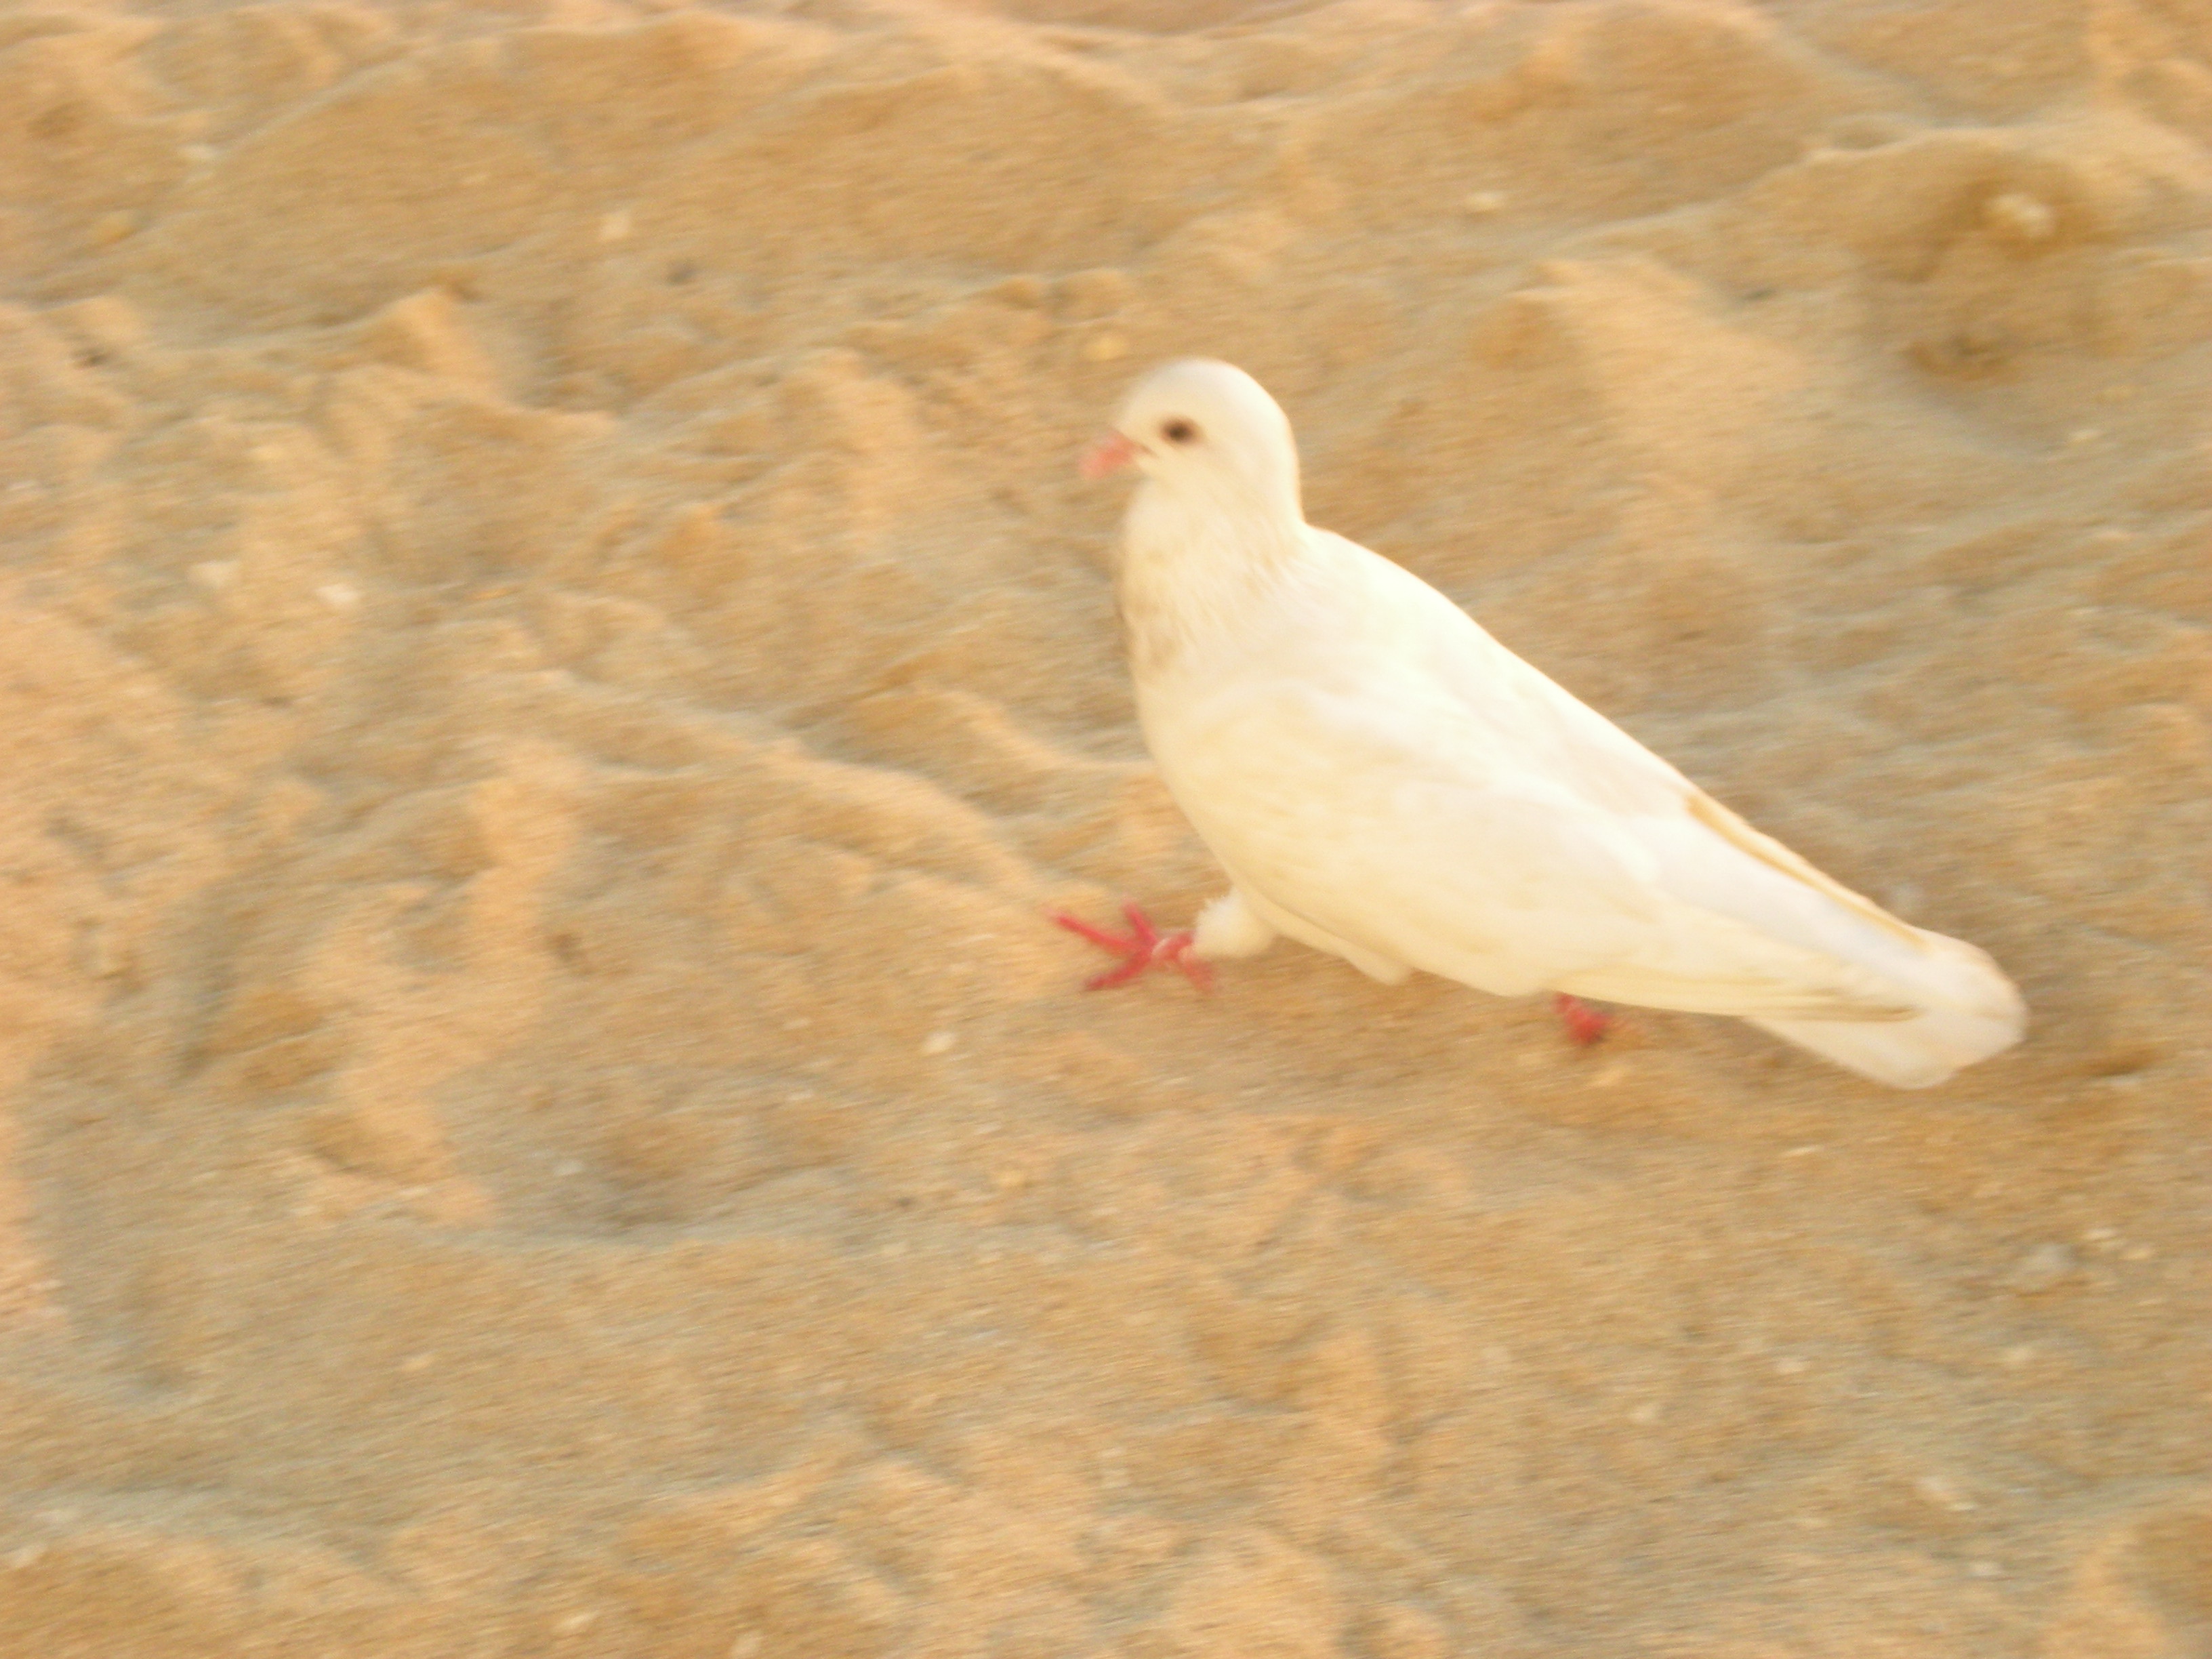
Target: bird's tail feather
{"x": 1913, "y": 1054}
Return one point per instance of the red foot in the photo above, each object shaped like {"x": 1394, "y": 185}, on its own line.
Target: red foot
{"x": 1585, "y": 1025}
{"x": 1143, "y": 949}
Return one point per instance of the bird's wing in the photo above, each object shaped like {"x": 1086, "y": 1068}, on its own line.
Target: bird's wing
{"x": 1394, "y": 820}
{"x": 1402, "y": 781}
{"x": 1704, "y": 855}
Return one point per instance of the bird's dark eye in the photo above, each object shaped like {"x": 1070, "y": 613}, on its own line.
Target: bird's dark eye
{"x": 1180, "y": 432}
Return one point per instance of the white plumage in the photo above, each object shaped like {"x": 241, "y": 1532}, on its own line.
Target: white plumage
{"x": 1382, "y": 780}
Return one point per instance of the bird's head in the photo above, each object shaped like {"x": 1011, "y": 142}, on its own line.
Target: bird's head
{"x": 1204, "y": 429}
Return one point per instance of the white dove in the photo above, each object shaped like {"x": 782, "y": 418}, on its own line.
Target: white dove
{"x": 1384, "y": 780}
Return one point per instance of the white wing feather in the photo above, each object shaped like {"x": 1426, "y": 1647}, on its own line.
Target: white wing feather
{"x": 1383, "y": 778}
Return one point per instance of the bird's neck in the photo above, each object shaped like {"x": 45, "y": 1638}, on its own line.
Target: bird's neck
{"x": 1196, "y": 571}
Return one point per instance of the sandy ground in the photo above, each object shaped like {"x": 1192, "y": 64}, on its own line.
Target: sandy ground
{"x": 552, "y": 660}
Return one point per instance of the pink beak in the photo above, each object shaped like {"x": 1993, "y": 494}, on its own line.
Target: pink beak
{"x": 1109, "y": 454}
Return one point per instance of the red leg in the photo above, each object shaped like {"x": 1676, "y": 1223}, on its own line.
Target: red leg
{"x": 1584, "y": 1024}
{"x": 1143, "y": 948}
